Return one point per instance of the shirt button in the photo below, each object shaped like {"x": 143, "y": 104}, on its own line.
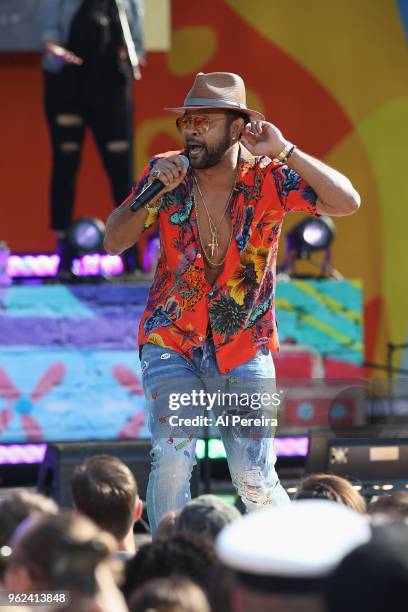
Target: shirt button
{"x": 198, "y": 255}
{"x": 200, "y": 338}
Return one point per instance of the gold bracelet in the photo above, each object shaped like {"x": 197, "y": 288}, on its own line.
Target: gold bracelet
{"x": 154, "y": 209}
{"x": 286, "y": 152}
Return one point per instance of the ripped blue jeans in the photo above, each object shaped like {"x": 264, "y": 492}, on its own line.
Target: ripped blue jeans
{"x": 251, "y": 457}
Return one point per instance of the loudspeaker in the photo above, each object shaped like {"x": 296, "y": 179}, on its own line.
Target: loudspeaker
{"x": 54, "y": 479}
{"x": 354, "y": 454}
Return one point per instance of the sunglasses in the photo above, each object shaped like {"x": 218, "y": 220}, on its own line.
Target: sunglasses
{"x": 199, "y": 123}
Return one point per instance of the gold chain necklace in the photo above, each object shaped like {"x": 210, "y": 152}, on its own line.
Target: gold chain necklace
{"x": 213, "y": 263}
{"x": 213, "y": 245}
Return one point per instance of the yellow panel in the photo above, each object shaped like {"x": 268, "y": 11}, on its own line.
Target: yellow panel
{"x": 355, "y": 48}
{"x": 192, "y": 49}
{"x": 157, "y": 25}
{"x": 359, "y": 253}
{"x": 385, "y": 135}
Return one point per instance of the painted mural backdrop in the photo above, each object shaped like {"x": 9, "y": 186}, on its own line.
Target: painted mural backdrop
{"x": 333, "y": 76}
{"x": 69, "y": 367}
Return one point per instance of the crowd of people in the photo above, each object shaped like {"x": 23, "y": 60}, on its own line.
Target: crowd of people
{"x": 328, "y": 551}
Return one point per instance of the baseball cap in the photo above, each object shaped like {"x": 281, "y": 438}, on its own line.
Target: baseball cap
{"x": 206, "y": 515}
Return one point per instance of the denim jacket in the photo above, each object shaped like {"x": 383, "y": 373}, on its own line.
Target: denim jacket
{"x": 57, "y": 16}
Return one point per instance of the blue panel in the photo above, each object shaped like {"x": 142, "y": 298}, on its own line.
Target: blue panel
{"x": 403, "y": 8}
{"x": 50, "y": 302}
{"x": 81, "y": 396}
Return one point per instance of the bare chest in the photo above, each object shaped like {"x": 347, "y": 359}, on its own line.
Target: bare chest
{"x": 214, "y": 231}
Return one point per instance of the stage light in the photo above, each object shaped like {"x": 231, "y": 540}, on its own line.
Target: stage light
{"x": 14, "y": 454}
{"x": 86, "y": 235}
{"x": 304, "y": 240}
{"x": 284, "y": 447}
{"x": 311, "y": 235}
{"x": 44, "y": 265}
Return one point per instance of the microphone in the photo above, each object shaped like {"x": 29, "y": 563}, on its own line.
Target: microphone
{"x": 153, "y": 189}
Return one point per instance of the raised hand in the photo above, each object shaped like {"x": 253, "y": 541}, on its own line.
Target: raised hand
{"x": 263, "y": 138}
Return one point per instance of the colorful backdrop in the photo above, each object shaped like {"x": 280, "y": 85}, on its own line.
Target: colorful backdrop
{"x": 69, "y": 368}
{"x": 331, "y": 74}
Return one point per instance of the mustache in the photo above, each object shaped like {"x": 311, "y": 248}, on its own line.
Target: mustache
{"x": 191, "y": 143}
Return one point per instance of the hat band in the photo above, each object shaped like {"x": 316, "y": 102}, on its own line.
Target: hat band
{"x": 281, "y": 584}
{"x": 212, "y": 102}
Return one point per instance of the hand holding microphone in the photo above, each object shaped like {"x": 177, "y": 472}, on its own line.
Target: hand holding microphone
{"x": 167, "y": 175}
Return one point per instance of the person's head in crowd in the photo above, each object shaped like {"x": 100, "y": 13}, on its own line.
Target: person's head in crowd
{"x": 221, "y": 583}
{"x": 282, "y": 555}
{"x": 392, "y": 506}
{"x": 206, "y": 515}
{"x": 172, "y": 594}
{"x": 331, "y": 487}
{"x": 105, "y": 490}
{"x": 167, "y": 525}
{"x": 374, "y": 576}
{"x": 15, "y": 507}
{"x": 65, "y": 552}
{"x": 182, "y": 554}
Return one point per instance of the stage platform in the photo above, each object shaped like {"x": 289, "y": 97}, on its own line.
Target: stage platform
{"x": 69, "y": 366}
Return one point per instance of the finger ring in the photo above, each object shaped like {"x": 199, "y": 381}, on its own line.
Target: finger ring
{"x": 156, "y": 173}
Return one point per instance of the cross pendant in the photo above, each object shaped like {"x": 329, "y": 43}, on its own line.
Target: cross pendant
{"x": 213, "y": 245}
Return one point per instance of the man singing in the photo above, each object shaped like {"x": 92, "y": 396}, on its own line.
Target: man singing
{"x": 209, "y": 321}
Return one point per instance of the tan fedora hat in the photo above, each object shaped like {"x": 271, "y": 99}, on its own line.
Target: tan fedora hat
{"x": 218, "y": 90}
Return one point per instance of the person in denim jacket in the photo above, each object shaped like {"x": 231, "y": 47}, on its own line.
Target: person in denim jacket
{"x": 56, "y": 21}
{"x": 88, "y": 82}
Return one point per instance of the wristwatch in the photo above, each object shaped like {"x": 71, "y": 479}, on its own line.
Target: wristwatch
{"x": 286, "y": 152}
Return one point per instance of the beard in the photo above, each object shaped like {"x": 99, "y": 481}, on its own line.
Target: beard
{"x": 209, "y": 156}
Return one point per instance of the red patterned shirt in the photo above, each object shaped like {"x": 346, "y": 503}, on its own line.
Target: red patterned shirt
{"x": 240, "y": 304}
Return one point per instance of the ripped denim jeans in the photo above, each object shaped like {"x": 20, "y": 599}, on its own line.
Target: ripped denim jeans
{"x": 251, "y": 457}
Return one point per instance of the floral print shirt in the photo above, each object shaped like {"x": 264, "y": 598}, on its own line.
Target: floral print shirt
{"x": 240, "y": 304}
